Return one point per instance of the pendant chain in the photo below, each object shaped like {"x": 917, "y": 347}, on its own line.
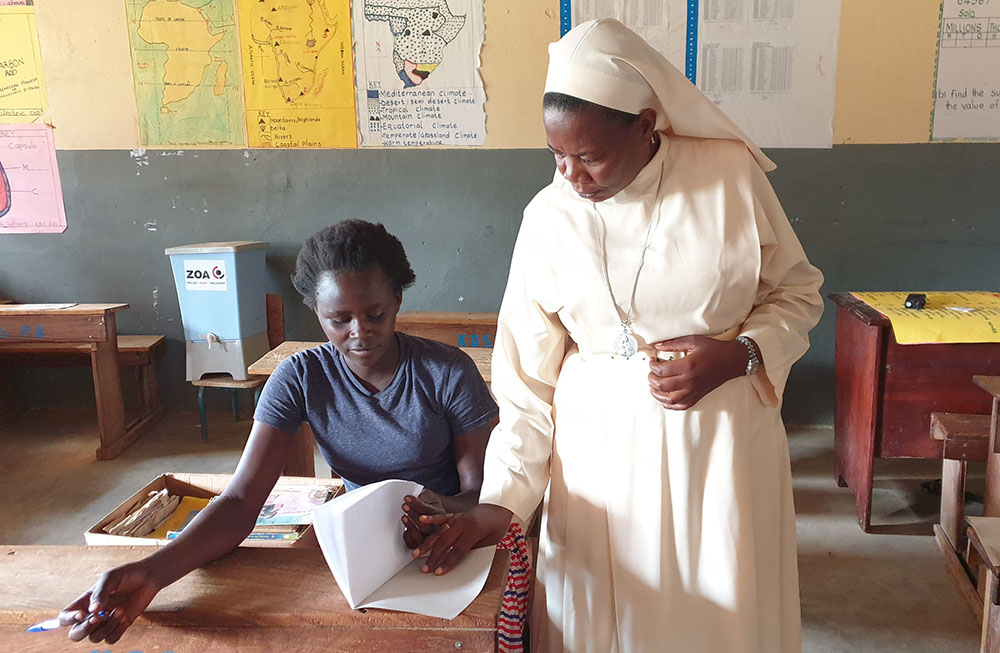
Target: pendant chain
{"x": 598, "y": 222}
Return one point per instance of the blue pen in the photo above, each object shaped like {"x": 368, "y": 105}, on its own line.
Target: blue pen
{"x": 53, "y": 624}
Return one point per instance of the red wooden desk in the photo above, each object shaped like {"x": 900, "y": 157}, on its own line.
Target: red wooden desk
{"x": 85, "y": 324}
{"x": 248, "y": 600}
{"x": 886, "y": 392}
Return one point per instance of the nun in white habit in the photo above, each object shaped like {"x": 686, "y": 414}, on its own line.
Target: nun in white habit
{"x": 657, "y": 298}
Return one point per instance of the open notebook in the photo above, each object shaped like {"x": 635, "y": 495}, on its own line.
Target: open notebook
{"x": 362, "y": 540}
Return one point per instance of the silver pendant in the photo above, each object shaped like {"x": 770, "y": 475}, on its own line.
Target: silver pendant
{"x": 626, "y": 344}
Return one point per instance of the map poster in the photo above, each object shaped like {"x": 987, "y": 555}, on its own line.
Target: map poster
{"x": 31, "y": 200}
{"x": 186, "y": 72}
{"x": 417, "y": 70}
{"x": 967, "y": 89}
{"x": 298, "y": 73}
{"x": 22, "y": 85}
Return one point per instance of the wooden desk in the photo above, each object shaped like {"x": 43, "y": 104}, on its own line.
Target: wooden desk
{"x": 886, "y": 392}
{"x": 91, "y": 325}
{"x": 267, "y": 363}
{"x": 249, "y": 600}
{"x": 461, "y": 329}
{"x": 300, "y": 460}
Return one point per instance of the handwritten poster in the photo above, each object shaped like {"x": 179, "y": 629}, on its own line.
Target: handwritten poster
{"x": 417, "y": 72}
{"x": 770, "y": 65}
{"x": 186, "y": 72}
{"x": 31, "y": 200}
{"x": 22, "y": 85}
{"x": 967, "y": 93}
{"x": 298, "y": 72}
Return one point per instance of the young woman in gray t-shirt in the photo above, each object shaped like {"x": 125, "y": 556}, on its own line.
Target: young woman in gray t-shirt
{"x": 381, "y": 405}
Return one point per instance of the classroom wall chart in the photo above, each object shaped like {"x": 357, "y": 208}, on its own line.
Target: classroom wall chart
{"x": 22, "y": 84}
{"x": 787, "y": 56}
{"x": 967, "y": 84}
{"x": 281, "y": 73}
{"x": 298, "y": 73}
{"x": 771, "y": 65}
{"x": 418, "y": 81}
{"x": 30, "y": 193}
{"x": 185, "y": 63}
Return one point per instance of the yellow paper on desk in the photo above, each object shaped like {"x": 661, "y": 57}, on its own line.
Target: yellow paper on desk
{"x": 182, "y": 515}
{"x": 947, "y": 317}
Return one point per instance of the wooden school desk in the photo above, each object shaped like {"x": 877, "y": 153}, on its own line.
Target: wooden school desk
{"x": 248, "y": 600}
{"x": 300, "y": 460}
{"x": 92, "y": 325}
{"x": 885, "y": 393}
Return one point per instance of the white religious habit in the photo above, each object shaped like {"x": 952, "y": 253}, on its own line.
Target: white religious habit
{"x": 662, "y": 530}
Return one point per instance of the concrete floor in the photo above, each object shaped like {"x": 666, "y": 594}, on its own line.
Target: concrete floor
{"x": 879, "y": 593}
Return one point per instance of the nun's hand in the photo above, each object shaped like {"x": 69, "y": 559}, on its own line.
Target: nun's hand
{"x": 482, "y": 525}
{"x": 700, "y": 364}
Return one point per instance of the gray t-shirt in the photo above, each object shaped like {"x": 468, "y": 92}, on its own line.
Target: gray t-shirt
{"x": 404, "y": 431}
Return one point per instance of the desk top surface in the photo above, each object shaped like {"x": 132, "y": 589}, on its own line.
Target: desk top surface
{"x": 861, "y": 310}
{"x": 46, "y": 309}
{"x": 265, "y": 366}
{"x": 245, "y": 588}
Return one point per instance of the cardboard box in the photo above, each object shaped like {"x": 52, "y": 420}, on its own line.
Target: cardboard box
{"x": 203, "y": 486}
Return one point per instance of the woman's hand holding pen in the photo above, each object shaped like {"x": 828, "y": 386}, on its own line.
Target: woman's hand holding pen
{"x": 706, "y": 364}
{"x": 123, "y": 593}
{"x": 482, "y": 525}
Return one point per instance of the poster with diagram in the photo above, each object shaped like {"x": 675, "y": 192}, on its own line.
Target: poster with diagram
{"x": 31, "y": 200}
{"x": 298, "y": 73}
{"x": 417, "y": 72}
{"x": 770, "y": 65}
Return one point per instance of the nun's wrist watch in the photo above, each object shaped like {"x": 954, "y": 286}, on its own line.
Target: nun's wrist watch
{"x": 753, "y": 360}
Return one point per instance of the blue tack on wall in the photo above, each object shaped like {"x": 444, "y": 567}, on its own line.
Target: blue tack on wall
{"x": 565, "y": 17}
{"x": 691, "y": 47}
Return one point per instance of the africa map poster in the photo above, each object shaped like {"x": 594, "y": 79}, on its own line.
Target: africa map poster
{"x": 186, "y": 72}
{"x": 417, "y": 72}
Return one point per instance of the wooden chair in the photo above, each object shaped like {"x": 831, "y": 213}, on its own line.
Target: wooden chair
{"x": 275, "y": 309}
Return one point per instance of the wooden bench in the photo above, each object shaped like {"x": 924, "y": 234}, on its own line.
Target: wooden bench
{"x": 964, "y": 437}
{"x": 140, "y": 352}
{"x": 984, "y": 536}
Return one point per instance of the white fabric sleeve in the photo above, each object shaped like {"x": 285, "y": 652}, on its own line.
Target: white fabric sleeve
{"x": 788, "y": 302}
{"x": 527, "y": 356}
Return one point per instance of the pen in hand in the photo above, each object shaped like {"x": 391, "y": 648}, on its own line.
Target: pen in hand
{"x": 53, "y": 624}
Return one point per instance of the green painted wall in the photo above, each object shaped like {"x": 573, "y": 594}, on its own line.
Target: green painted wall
{"x": 871, "y": 217}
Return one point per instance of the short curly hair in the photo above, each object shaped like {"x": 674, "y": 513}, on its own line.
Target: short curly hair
{"x": 350, "y": 246}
